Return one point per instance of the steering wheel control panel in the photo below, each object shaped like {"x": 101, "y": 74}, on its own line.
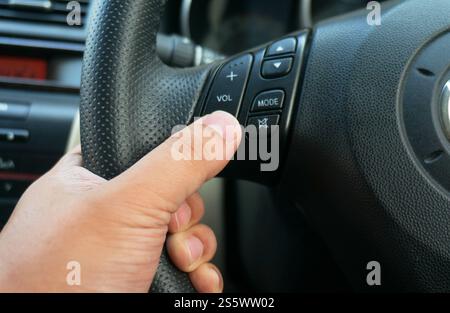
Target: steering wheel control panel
{"x": 259, "y": 87}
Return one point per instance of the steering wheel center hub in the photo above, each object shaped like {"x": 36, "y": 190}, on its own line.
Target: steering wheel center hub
{"x": 445, "y": 109}
{"x": 426, "y": 108}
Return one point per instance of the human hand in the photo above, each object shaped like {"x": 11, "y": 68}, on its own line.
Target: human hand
{"x": 116, "y": 229}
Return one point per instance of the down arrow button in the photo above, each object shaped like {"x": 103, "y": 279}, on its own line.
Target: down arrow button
{"x": 276, "y": 68}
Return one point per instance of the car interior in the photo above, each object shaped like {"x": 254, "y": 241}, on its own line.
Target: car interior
{"x": 363, "y": 173}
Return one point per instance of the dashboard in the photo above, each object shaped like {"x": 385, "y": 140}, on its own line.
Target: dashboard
{"x": 41, "y": 59}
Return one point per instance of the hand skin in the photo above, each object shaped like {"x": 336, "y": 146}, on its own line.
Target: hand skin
{"x": 116, "y": 229}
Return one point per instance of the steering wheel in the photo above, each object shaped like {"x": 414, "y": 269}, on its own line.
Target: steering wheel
{"x": 362, "y": 111}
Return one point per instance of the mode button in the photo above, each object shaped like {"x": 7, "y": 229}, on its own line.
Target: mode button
{"x": 268, "y": 100}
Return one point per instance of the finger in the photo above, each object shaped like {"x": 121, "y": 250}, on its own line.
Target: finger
{"x": 191, "y": 248}
{"x": 178, "y": 167}
{"x": 207, "y": 278}
{"x": 190, "y": 213}
{"x": 76, "y": 150}
{"x": 72, "y": 158}
{"x": 71, "y": 173}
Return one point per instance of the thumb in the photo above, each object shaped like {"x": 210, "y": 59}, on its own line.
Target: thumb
{"x": 178, "y": 167}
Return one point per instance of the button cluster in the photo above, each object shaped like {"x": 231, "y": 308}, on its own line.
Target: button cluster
{"x": 269, "y": 70}
{"x": 260, "y": 87}
{"x": 278, "y": 62}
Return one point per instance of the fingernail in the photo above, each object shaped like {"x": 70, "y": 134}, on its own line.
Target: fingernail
{"x": 195, "y": 247}
{"x": 183, "y": 216}
{"x": 218, "y": 278}
{"x": 224, "y": 123}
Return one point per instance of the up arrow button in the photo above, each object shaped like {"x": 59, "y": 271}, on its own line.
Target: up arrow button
{"x": 282, "y": 46}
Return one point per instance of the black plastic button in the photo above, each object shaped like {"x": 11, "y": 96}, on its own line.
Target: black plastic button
{"x": 13, "y": 189}
{"x": 268, "y": 100}
{"x": 14, "y": 135}
{"x": 26, "y": 163}
{"x": 10, "y": 110}
{"x": 228, "y": 87}
{"x": 264, "y": 121}
{"x": 282, "y": 46}
{"x": 276, "y": 68}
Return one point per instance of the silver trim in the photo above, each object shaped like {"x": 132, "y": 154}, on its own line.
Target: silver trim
{"x": 198, "y": 55}
{"x": 74, "y": 136}
{"x": 445, "y": 109}
{"x": 33, "y": 4}
{"x": 185, "y": 18}
{"x": 305, "y": 14}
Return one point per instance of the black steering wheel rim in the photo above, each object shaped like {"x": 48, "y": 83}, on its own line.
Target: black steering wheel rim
{"x": 130, "y": 100}
{"x": 362, "y": 185}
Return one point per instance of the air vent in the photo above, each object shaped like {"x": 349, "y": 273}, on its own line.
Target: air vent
{"x": 40, "y": 11}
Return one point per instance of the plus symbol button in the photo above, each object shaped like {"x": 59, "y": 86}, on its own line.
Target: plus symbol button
{"x": 232, "y": 76}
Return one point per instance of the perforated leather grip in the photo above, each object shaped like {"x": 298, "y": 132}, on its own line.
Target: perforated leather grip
{"x": 130, "y": 100}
